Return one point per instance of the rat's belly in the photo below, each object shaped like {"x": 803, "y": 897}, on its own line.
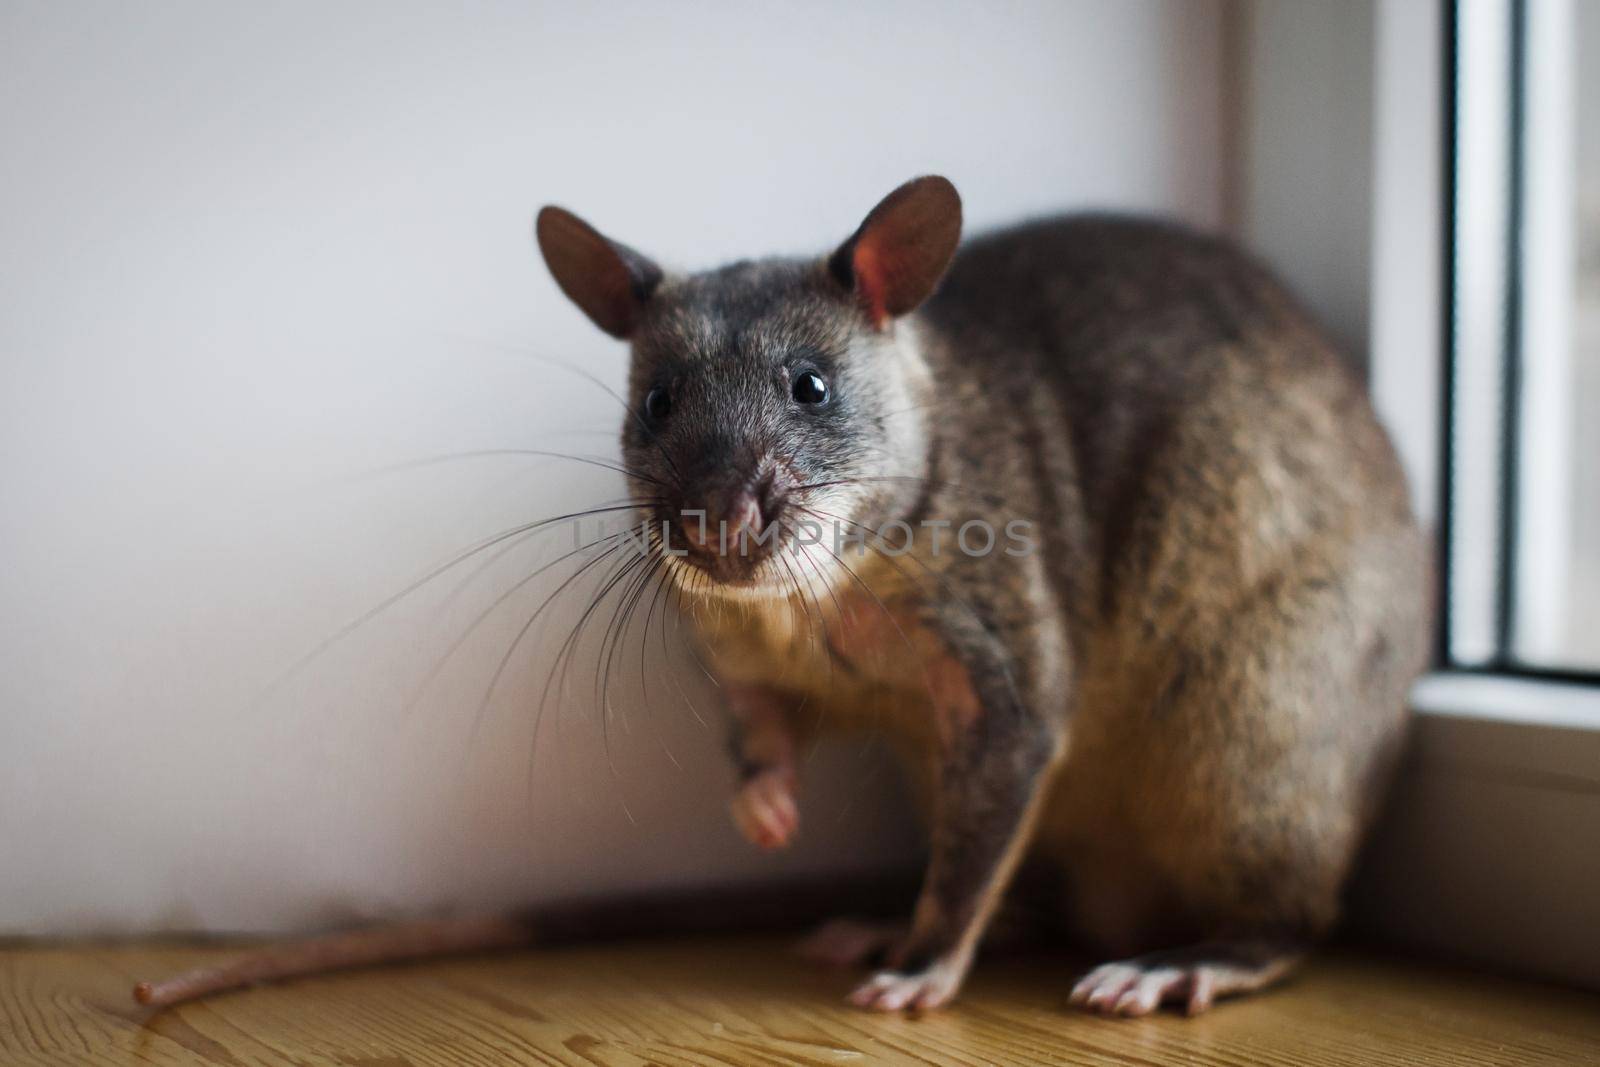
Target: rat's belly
{"x": 865, "y": 665}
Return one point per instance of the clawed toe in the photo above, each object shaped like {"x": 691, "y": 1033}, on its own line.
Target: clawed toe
{"x": 1131, "y": 990}
{"x": 1193, "y": 979}
{"x": 922, "y": 991}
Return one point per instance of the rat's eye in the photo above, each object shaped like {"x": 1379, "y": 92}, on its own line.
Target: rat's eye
{"x": 657, "y": 403}
{"x": 810, "y": 388}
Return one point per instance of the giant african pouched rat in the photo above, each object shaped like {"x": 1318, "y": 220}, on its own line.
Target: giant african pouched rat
{"x": 1090, "y": 519}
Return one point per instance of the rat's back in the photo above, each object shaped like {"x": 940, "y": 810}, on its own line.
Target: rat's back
{"x": 1129, "y": 322}
{"x": 1231, "y": 533}
{"x": 1159, "y": 369}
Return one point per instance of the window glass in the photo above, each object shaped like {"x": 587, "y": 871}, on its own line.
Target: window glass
{"x": 1556, "y": 601}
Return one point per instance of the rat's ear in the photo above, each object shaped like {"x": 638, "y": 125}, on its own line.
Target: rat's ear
{"x": 609, "y": 281}
{"x": 895, "y": 259}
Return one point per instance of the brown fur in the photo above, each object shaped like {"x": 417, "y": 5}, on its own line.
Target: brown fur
{"x": 1186, "y": 701}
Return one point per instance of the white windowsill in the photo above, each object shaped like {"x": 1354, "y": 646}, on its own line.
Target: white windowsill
{"x": 1489, "y": 849}
{"x": 1503, "y": 698}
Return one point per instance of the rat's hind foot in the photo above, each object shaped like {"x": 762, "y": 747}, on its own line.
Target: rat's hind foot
{"x": 851, "y": 943}
{"x": 764, "y": 808}
{"x": 1193, "y": 977}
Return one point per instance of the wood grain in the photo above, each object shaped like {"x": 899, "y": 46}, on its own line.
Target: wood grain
{"x": 746, "y": 1001}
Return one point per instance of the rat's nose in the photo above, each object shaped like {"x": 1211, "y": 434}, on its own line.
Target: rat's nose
{"x": 745, "y": 516}
{"x": 742, "y": 519}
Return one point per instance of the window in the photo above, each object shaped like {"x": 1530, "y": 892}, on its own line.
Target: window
{"x": 1522, "y": 454}
{"x": 1484, "y": 237}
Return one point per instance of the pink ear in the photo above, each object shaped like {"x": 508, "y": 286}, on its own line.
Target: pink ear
{"x": 895, "y": 260}
{"x": 609, "y": 281}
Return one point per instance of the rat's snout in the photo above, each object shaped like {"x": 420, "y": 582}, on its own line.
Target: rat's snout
{"x": 734, "y": 525}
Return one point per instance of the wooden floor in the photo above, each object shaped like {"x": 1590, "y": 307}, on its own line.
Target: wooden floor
{"x": 747, "y": 1001}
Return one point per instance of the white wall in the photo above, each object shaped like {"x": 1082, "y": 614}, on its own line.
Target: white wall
{"x": 1405, "y": 228}
{"x": 249, "y": 254}
{"x": 1306, "y": 176}
{"x": 1338, "y": 189}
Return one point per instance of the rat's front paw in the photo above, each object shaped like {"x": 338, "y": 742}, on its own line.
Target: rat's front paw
{"x": 931, "y": 987}
{"x": 764, "y": 809}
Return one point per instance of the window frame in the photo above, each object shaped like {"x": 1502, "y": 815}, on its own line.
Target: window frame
{"x": 1484, "y": 497}
{"x": 1485, "y": 851}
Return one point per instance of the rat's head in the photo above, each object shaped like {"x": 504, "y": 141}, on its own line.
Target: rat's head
{"x": 771, "y": 401}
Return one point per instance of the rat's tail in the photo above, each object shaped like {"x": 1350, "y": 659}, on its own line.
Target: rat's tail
{"x": 724, "y": 910}
{"x": 355, "y": 948}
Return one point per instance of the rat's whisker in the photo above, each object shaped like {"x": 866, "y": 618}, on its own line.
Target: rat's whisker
{"x": 605, "y": 719}
{"x": 827, "y": 586}
{"x": 976, "y": 494}
{"x": 674, "y": 598}
{"x": 697, "y": 601}
{"x": 819, "y": 628}
{"x": 615, "y": 634}
{"x": 490, "y": 453}
{"x": 322, "y": 647}
{"x": 596, "y": 381}
{"x": 570, "y": 643}
{"x": 472, "y": 627}
{"x": 662, "y": 581}
{"x": 538, "y": 718}
{"x": 517, "y": 542}
{"x": 806, "y": 559}
{"x": 500, "y": 668}
{"x": 938, "y": 403}
{"x": 653, "y": 577}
